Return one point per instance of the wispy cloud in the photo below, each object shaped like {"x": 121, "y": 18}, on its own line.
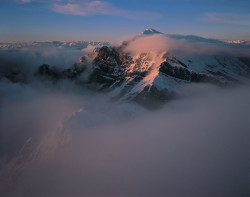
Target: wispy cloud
{"x": 30, "y": 1}
{"x": 227, "y": 18}
{"x": 90, "y": 7}
{"x": 23, "y": 1}
{"x": 85, "y": 8}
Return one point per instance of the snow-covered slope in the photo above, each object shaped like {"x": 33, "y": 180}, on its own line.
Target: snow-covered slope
{"x": 150, "y": 31}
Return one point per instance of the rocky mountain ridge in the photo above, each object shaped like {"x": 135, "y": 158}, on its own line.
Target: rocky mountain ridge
{"x": 149, "y": 76}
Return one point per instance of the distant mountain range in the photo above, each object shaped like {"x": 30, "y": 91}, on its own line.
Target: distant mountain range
{"x": 68, "y": 44}
{"x": 84, "y": 44}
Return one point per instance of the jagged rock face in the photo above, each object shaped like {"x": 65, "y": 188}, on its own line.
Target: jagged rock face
{"x": 177, "y": 72}
{"x": 107, "y": 68}
{"x": 54, "y": 74}
{"x": 246, "y": 60}
{"x": 48, "y": 71}
{"x": 152, "y": 98}
{"x": 185, "y": 74}
{"x": 107, "y": 59}
{"x": 75, "y": 71}
{"x": 146, "y": 77}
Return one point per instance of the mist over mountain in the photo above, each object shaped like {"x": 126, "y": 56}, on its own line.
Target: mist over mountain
{"x": 151, "y": 115}
{"x": 148, "y": 68}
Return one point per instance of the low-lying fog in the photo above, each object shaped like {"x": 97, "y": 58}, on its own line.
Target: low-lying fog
{"x": 63, "y": 140}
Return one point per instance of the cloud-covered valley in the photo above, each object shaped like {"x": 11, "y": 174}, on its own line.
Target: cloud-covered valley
{"x": 59, "y": 138}
{"x": 193, "y": 146}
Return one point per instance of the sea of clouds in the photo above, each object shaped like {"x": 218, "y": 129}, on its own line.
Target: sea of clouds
{"x": 197, "y": 145}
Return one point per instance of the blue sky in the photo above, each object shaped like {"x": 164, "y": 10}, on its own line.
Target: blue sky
{"x": 110, "y": 20}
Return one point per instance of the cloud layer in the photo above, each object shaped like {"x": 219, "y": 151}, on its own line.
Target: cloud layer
{"x": 88, "y": 7}
{"x": 160, "y": 42}
{"x": 197, "y": 146}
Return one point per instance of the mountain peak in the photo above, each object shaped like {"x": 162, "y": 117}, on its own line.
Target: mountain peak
{"x": 237, "y": 42}
{"x": 150, "y": 31}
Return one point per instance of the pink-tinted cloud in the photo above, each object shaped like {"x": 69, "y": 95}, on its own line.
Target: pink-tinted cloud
{"x": 227, "y": 18}
{"x": 85, "y": 8}
{"x": 90, "y": 7}
{"x": 24, "y": 1}
{"x": 160, "y": 42}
